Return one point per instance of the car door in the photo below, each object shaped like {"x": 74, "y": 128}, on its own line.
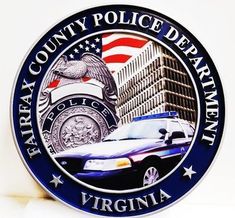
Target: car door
{"x": 189, "y": 132}
{"x": 178, "y": 141}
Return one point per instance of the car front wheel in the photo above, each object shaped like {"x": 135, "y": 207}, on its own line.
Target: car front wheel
{"x": 150, "y": 175}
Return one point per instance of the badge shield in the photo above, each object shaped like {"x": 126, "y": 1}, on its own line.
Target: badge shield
{"x": 77, "y": 103}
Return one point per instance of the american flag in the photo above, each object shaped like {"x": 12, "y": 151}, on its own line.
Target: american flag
{"x": 114, "y": 48}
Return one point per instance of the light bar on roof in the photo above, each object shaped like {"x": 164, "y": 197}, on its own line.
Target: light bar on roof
{"x": 168, "y": 114}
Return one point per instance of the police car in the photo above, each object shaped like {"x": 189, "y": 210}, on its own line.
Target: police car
{"x": 135, "y": 155}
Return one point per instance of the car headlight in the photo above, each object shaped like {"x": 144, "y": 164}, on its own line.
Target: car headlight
{"x": 108, "y": 164}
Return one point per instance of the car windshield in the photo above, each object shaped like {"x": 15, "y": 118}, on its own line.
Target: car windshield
{"x": 146, "y": 129}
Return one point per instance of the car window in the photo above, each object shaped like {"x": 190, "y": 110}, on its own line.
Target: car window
{"x": 146, "y": 129}
{"x": 188, "y": 129}
{"x": 175, "y": 130}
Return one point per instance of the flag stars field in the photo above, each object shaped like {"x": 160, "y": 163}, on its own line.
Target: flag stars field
{"x": 71, "y": 56}
{"x": 97, "y": 39}
{"x": 97, "y": 50}
{"x": 76, "y": 50}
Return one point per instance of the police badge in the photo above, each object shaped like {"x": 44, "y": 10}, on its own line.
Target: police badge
{"x": 77, "y": 103}
{"x": 113, "y": 106}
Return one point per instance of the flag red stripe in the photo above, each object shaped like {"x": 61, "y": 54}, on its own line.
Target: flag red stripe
{"x": 136, "y": 43}
{"x": 106, "y": 35}
{"x": 117, "y": 58}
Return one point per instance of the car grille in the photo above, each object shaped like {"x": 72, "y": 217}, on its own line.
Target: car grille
{"x": 71, "y": 165}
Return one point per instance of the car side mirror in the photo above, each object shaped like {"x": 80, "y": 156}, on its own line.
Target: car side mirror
{"x": 163, "y": 131}
{"x": 175, "y": 135}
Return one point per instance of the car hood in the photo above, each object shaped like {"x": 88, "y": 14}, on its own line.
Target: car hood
{"x": 111, "y": 148}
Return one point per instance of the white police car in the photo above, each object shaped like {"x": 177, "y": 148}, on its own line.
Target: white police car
{"x": 134, "y": 155}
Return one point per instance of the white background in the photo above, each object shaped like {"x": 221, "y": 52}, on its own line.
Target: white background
{"x": 21, "y": 24}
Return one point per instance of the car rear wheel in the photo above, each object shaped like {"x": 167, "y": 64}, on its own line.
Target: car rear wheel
{"x": 151, "y": 175}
